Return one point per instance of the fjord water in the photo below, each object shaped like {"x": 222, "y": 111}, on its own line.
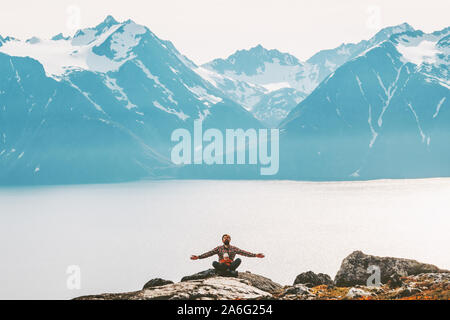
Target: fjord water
{"x": 123, "y": 235}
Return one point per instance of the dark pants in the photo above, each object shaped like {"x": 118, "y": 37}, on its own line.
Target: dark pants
{"x": 224, "y": 267}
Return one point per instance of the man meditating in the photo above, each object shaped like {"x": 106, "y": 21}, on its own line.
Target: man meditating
{"x": 227, "y": 265}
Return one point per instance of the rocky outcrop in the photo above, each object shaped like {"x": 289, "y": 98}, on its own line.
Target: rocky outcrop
{"x": 354, "y": 269}
{"x": 403, "y": 279}
{"x": 431, "y": 286}
{"x": 426, "y": 286}
{"x": 420, "y": 287}
{"x": 217, "y": 288}
{"x": 255, "y": 280}
{"x": 260, "y": 282}
{"x": 310, "y": 279}
{"x": 297, "y": 292}
{"x": 157, "y": 283}
{"x": 395, "y": 281}
{"x": 354, "y": 293}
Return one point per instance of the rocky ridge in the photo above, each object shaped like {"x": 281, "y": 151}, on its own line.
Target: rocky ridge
{"x": 400, "y": 279}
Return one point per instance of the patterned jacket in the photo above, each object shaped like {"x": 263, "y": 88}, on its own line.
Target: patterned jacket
{"x": 223, "y": 251}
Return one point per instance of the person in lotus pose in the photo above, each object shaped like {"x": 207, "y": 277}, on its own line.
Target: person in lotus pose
{"x": 227, "y": 265}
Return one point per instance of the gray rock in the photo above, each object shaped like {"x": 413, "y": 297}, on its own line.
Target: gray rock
{"x": 311, "y": 279}
{"x": 355, "y": 293}
{"x": 407, "y": 292}
{"x": 260, "y": 282}
{"x": 157, "y": 283}
{"x": 217, "y": 288}
{"x": 255, "y": 280}
{"x": 395, "y": 281}
{"x": 298, "y": 289}
{"x": 220, "y": 288}
{"x": 436, "y": 278}
{"x": 353, "y": 270}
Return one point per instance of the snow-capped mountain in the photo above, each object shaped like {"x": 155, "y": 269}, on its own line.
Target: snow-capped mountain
{"x": 101, "y": 105}
{"x": 245, "y": 93}
{"x": 269, "y": 73}
{"x": 270, "y": 69}
{"x": 325, "y": 62}
{"x": 274, "y": 106}
{"x": 383, "y": 114}
{"x": 266, "y": 76}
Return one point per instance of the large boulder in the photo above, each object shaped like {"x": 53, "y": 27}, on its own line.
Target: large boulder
{"x": 260, "y": 282}
{"x": 353, "y": 270}
{"x": 217, "y": 288}
{"x": 310, "y": 279}
{"x": 255, "y": 280}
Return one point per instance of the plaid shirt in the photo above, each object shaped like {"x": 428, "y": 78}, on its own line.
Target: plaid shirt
{"x": 231, "y": 251}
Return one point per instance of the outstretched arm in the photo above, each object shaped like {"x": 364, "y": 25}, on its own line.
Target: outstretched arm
{"x": 249, "y": 254}
{"x": 207, "y": 254}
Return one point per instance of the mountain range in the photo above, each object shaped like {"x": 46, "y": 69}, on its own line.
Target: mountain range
{"x": 383, "y": 114}
{"x": 100, "y": 106}
{"x": 279, "y": 81}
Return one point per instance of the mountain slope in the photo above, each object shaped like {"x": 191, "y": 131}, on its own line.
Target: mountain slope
{"x": 273, "y": 81}
{"x": 100, "y": 106}
{"x": 271, "y": 73}
{"x": 384, "y": 114}
{"x": 326, "y": 62}
{"x": 52, "y": 134}
{"x": 268, "y": 68}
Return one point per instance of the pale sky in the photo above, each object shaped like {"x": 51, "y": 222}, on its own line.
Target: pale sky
{"x": 208, "y": 29}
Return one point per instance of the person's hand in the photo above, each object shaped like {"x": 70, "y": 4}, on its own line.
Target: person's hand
{"x": 260, "y": 255}
{"x": 194, "y": 257}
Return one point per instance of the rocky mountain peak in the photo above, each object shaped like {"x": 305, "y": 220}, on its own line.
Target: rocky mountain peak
{"x": 107, "y": 23}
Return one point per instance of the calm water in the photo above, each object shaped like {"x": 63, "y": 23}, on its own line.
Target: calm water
{"x": 123, "y": 235}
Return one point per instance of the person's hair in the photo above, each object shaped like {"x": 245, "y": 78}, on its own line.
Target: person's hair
{"x": 225, "y": 235}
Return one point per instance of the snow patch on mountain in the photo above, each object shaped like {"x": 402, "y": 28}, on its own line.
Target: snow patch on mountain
{"x": 86, "y": 95}
{"x": 245, "y": 93}
{"x": 212, "y": 77}
{"x": 272, "y": 76}
{"x": 179, "y": 114}
{"x": 62, "y": 55}
{"x": 203, "y": 95}
{"x": 422, "y": 134}
{"x": 118, "y": 92}
{"x": 438, "y": 108}
{"x": 424, "y": 51}
{"x": 429, "y": 52}
{"x": 149, "y": 75}
{"x": 276, "y": 86}
{"x": 370, "y": 118}
{"x": 123, "y": 43}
